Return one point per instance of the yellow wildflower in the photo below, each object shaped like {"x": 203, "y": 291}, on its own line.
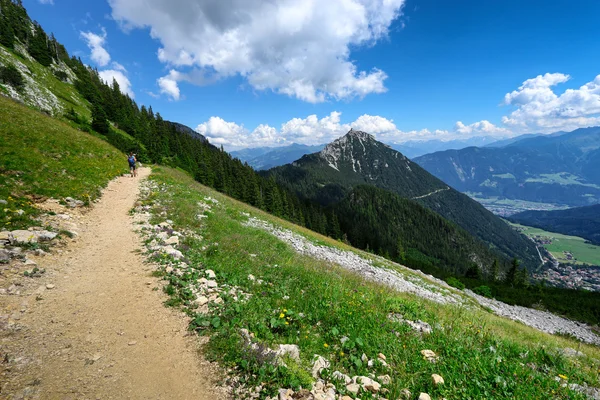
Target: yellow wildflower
{"x": 281, "y": 315}
{"x": 563, "y": 376}
{"x": 325, "y": 345}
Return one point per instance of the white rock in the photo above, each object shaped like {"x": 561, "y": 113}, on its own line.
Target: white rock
{"x": 169, "y": 250}
{"x": 319, "y": 365}
{"x": 342, "y": 377}
{"x": 369, "y": 384}
{"x": 437, "y": 379}
{"x": 211, "y": 284}
{"x": 22, "y": 236}
{"x": 384, "y": 379}
{"x": 424, "y": 396}
{"x": 291, "y": 350}
{"x": 251, "y": 278}
{"x": 201, "y": 300}
{"x": 210, "y": 274}
{"x": 50, "y": 286}
{"x": 353, "y": 388}
{"x": 173, "y": 240}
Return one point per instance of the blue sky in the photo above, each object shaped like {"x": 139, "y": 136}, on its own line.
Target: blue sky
{"x": 247, "y": 75}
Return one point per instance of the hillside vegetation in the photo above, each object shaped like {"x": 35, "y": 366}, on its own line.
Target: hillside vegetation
{"x": 41, "y": 157}
{"x": 282, "y": 297}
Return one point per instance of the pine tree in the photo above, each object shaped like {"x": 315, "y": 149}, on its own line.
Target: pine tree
{"x": 99, "y": 120}
{"x": 511, "y": 275}
{"x": 495, "y": 271}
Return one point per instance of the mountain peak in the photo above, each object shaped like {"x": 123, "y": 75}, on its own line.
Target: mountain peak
{"x": 360, "y": 135}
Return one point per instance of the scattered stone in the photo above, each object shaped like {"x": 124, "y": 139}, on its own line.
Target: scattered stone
{"x": 2, "y": 201}
{"x": 169, "y": 269}
{"x": 319, "y": 365}
{"x": 364, "y": 358}
{"x": 381, "y": 356}
{"x": 169, "y": 250}
{"x": 591, "y": 392}
{"x": 210, "y": 274}
{"x": 429, "y": 355}
{"x": 291, "y": 350}
{"x": 132, "y": 343}
{"x": 346, "y": 398}
{"x": 4, "y": 236}
{"x": 45, "y": 236}
{"x": 201, "y": 300}
{"x": 173, "y": 240}
{"x": 73, "y": 203}
{"x": 285, "y": 394}
{"x": 570, "y": 352}
{"x": 405, "y": 394}
{"x": 424, "y": 396}
{"x": 4, "y": 256}
{"x": 212, "y": 284}
{"x": 251, "y": 278}
{"x": 437, "y": 379}
{"x": 21, "y": 236}
{"x": 384, "y": 379}
{"x": 29, "y": 262}
{"x": 369, "y": 384}
{"x": 50, "y": 286}
{"x": 353, "y": 388}
{"x": 342, "y": 377}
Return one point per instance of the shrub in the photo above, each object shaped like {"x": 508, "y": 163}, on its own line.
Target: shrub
{"x": 61, "y": 75}
{"x": 484, "y": 291}
{"x": 10, "y": 75}
{"x": 452, "y": 281}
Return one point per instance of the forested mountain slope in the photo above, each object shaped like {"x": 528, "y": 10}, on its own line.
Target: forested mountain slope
{"x": 357, "y": 159}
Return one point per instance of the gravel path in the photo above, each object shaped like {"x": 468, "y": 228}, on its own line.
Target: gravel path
{"x": 438, "y": 292}
{"x": 99, "y": 330}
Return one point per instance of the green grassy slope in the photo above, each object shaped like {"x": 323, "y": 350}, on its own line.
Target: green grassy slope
{"x": 43, "y": 157}
{"x": 584, "y": 253}
{"x": 314, "y": 304}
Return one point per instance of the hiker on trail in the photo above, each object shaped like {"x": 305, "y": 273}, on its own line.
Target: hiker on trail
{"x": 132, "y": 167}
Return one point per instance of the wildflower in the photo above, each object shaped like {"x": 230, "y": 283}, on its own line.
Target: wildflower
{"x": 342, "y": 353}
{"x": 562, "y": 376}
{"x": 281, "y": 315}
{"x": 284, "y": 310}
{"x": 325, "y": 345}
{"x": 287, "y": 323}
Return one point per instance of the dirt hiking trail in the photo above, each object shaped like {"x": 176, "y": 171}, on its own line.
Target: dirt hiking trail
{"x": 95, "y": 328}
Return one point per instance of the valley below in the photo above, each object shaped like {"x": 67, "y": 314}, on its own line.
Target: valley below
{"x": 569, "y": 261}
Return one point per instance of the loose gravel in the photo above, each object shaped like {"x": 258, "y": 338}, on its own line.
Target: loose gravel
{"x": 438, "y": 292}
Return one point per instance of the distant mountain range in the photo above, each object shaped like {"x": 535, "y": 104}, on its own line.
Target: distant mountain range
{"x": 580, "y": 221}
{"x": 561, "y": 168}
{"x": 261, "y": 158}
{"x": 416, "y": 148}
{"x": 357, "y": 159}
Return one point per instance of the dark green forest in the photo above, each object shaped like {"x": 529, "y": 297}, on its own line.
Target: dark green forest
{"x": 366, "y": 217}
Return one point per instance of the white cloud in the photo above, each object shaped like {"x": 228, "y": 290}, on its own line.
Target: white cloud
{"x": 51, "y": 2}
{"x": 124, "y": 84}
{"x": 118, "y": 66}
{"x": 96, "y": 44}
{"x": 298, "y": 48}
{"x": 540, "y": 109}
{"x": 168, "y": 85}
{"x": 312, "y": 130}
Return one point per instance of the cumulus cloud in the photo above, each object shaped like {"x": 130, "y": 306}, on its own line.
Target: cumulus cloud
{"x": 297, "y": 48}
{"x": 539, "y": 109}
{"x": 314, "y": 130}
{"x": 96, "y": 44}
{"x": 109, "y": 75}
